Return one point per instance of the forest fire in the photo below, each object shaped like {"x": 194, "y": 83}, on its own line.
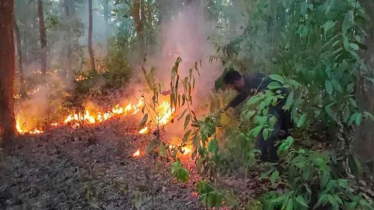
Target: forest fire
{"x": 23, "y": 131}
{"x": 164, "y": 116}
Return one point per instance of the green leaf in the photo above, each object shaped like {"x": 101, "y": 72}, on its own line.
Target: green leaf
{"x": 289, "y": 204}
{"x": 274, "y": 85}
{"x": 179, "y": 171}
{"x": 354, "y": 46}
{"x": 328, "y": 87}
{"x": 186, "y": 136}
{"x": 279, "y": 199}
{"x": 353, "y": 102}
{"x": 303, "y": 8}
{"x": 294, "y": 83}
{"x": 352, "y": 118}
{"x": 329, "y": 111}
{"x": 337, "y": 86}
{"x": 274, "y": 176}
{"x": 289, "y": 101}
{"x": 328, "y": 25}
{"x": 152, "y": 145}
{"x": 256, "y": 130}
{"x": 348, "y": 21}
{"x": 370, "y": 79}
{"x": 301, "y": 201}
{"x": 333, "y": 201}
{"x": 358, "y": 119}
{"x": 265, "y": 133}
{"x": 253, "y": 100}
{"x": 369, "y": 115}
{"x": 142, "y": 123}
{"x": 346, "y": 43}
{"x": 277, "y": 77}
{"x": 248, "y": 115}
{"x": 213, "y": 146}
{"x": 162, "y": 150}
{"x": 182, "y": 115}
{"x": 346, "y": 114}
{"x": 302, "y": 120}
{"x": 187, "y": 120}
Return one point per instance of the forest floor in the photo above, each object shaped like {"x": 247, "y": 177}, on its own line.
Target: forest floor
{"x": 93, "y": 167}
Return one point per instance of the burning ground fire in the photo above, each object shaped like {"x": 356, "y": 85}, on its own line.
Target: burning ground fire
{"x": 165, "y": 115}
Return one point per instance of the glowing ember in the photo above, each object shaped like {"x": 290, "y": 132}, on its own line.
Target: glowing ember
{"x": 136, "y": 154}
{"x": 186, "y": 150}
{"x": 144, "y": 130}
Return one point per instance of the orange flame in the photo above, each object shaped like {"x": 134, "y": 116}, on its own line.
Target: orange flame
{"x": 23, "y": 131}
{"x": 136, "y": 154}
{"x": 144, "y": 130}
{"x": 165, "y": 114}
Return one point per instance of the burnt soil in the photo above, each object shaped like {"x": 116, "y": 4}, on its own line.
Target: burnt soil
{"x": 89, "y": 168}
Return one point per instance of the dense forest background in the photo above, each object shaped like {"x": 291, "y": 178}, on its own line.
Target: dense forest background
{"x": 62, "y": 58}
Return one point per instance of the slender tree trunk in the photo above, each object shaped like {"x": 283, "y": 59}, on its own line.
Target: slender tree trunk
{"x": 90, "y": 50}
{"x": 138, "y": 25}
{"x": 7, "y": 71}
{"x": 43, "y": 38}
{"x": 19, "y": 59}
{"x": 107, "y": 15}
{"x": 143, "y": 20}
{"x": 150, "y": 38}
{"x": 107, "y": 12}
{"x": 68, "y": 69}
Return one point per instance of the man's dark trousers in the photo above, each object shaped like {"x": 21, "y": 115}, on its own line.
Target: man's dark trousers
{"x": 267, "y": 146}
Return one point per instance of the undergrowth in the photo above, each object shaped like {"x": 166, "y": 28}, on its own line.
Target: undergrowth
{"x": 316, "y": 56}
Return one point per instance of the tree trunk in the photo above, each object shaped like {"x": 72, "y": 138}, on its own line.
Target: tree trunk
{"x": 107, "y": 12}
{"x": 43, "y": 38}
{"x": 19, "y": 60}
{"x": 7, "y": 71}
{"x": 107, "y": 15}
{"x": 150, "y": 43}
{"x": 68, "y": 70}
{"x": 138, "y": 25}
{"x": 143, "y": 20}
{"x": 364, "y": 142}
{"x": 90, "y": 50}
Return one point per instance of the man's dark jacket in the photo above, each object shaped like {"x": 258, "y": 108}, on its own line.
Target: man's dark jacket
{"x": 253, "y": 83}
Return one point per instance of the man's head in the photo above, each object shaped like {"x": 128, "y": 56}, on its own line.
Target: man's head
{"x": 234, "y": 79}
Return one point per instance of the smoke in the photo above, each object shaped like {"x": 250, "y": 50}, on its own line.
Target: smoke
{"x": 186, "y": 36}
{"x": 101, "y": 30}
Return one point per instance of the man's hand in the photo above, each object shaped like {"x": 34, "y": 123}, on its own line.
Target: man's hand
{"x": 222, "y": 110}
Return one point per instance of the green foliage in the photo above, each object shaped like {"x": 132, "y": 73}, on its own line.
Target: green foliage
{"x": 312, "y": 184}
{"x": 209, "y": 196}
{"x": 179, "y": 171}
{"x": 116, "y": 73}
{"x": 311, "y": 48}
{"x": 118, "y": 69}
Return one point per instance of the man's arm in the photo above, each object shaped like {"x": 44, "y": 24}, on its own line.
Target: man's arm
{"x": 237, "y": 100}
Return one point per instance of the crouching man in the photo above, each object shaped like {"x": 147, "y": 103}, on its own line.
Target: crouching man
{"x": 247, "y": 86}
